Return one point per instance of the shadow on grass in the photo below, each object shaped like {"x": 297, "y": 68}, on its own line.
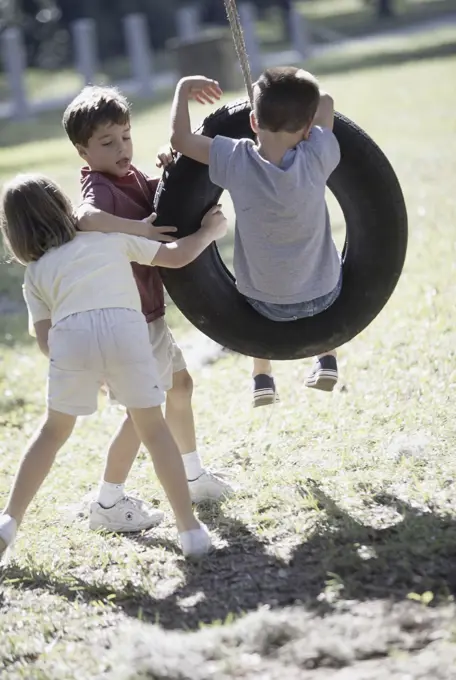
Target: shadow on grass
{"x": 416, "y": 554}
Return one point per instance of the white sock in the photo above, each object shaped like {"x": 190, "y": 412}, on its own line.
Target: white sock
{"x": 193, "y": 465}
{"x": 196, "y": 542}
{"x": 109, "y": 494}
{"x": 8, "y": 529}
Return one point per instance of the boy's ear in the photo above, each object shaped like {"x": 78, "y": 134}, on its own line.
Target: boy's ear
{"x": 82, "y": 151}
{"x": 306, "y": 131}
{"x": 253, "y": 122}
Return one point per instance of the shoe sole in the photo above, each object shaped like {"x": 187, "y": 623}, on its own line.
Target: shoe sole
{"x": 119, "y": 529}
{"x": 323, "y": 380}
{"x": 265, "y": 399}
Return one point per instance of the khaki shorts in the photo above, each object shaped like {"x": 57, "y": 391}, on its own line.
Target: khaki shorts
{"x": 102, "y": 346}
{"x": 166, "y": 351}
{"x": 167, "y": 354}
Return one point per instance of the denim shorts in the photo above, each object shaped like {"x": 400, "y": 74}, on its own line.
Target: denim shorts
{"x": 297, "y": 310}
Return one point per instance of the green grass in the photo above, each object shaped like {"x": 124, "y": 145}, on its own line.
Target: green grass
{"x": 347, "y": 501}
{"x": 356, "y": 18}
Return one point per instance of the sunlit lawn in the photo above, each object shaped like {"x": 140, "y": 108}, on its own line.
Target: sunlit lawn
{"x": 345, "y": 497}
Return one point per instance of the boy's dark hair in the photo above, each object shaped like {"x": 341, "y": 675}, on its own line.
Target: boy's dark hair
{"x": 285, "y": 99}
{"x": 36, "y": 216}
{"x": 94, "y": 106}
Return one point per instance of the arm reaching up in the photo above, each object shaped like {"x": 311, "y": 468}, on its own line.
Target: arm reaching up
{"x": 183, "y": 140}
{"x": 325, "y": 112}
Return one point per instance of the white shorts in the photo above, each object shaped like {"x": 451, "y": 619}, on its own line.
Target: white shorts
{"x": 102, "y": 346}
{"x": 167, "y": 354}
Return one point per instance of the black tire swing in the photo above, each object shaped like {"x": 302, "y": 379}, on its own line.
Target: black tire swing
{"x": 368, "y": 191}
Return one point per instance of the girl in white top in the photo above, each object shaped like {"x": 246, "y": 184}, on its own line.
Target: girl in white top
{"x": 83, "y": 281}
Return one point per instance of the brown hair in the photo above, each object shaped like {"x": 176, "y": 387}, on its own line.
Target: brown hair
{"x": 285, "y": 99}
{"x": 94, "y": 106}
{"x": 36, "y": 216}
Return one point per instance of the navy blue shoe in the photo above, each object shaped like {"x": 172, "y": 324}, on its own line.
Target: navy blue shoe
{"x": 324, "y": 374}
{"x": 264, "y": 390}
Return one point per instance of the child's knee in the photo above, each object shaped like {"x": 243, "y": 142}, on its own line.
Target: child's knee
{"x": 182, "y": 388}
{"x": 57, "y": 426}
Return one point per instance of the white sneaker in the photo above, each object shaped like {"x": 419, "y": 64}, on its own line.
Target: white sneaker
{"x": 128, "y": 514}
{"x": 209, "y": 486}
{"x": 196, "y": 543}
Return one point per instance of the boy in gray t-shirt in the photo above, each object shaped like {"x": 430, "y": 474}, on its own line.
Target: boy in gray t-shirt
{"x": 285, "y": 260}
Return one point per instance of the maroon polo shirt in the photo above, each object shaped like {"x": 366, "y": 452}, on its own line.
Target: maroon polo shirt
{"x": 131, "y": 197}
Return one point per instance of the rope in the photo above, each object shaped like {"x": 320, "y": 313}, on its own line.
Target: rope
{"x": 239, "y": 43}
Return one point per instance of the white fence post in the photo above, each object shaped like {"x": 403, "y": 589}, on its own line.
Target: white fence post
{"x": 247, "y": 14}
{"x": 188, "y": 22}
{"x": 15, "y": 64}
{"x": 85, "y": 46}
{"x": 139, "y": 50}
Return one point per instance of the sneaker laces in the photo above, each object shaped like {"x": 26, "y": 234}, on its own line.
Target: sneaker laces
{"x": 137, "y": 503}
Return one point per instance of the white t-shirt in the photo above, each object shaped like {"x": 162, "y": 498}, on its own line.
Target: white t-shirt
{"x": 92, "y": 271}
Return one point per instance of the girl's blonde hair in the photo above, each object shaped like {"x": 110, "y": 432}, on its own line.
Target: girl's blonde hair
{"x": 36, "y": 216}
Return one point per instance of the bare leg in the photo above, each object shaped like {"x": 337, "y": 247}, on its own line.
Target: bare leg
{"x": 155, "y": 434}
{"x": 125, "y": 444}
{"x": 112, "y": 505}
{"x": 37, "y": 462}
{"x": 203, "y": 484}
{"x": 179, "y": 412}
{"x": 122, "y": 453}
{"x": 262, "y": 366}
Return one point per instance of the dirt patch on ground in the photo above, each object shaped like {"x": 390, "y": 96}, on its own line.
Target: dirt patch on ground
{"x": 358, "y": 641}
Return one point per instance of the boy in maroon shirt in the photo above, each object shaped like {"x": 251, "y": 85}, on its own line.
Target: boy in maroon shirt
{"x": 118, "y": 197}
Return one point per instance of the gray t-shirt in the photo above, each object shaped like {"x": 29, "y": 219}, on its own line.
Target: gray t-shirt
{"x": 283, "y": 249}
